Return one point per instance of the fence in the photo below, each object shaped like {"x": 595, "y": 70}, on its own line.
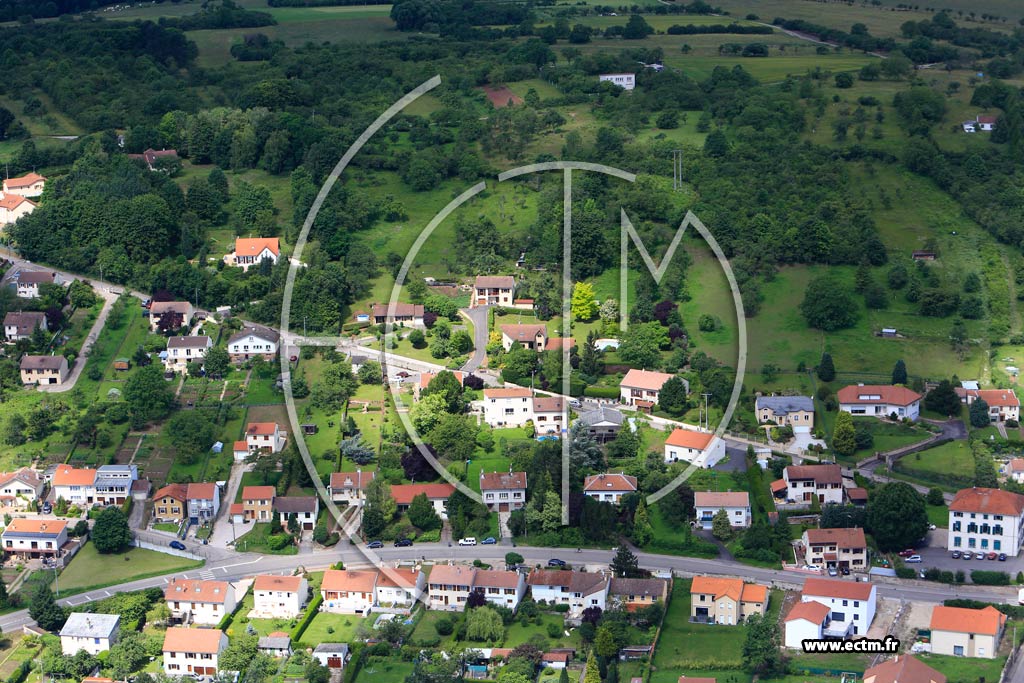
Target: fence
{"x": 162, "y": 547}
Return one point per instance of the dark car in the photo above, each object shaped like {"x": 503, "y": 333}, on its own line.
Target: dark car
{"x": 177, "y": 545}
{"x": 47, "y": 508}
{"x": 956, "y": 555}
{"x": 1002, "y": 557}
{"x": 403, "y": 543}
{"x": 557, "y": 563}
{"x": 845, "y": 571}
{"x": 375, "y": 544}
{"x": 488, "y": 541}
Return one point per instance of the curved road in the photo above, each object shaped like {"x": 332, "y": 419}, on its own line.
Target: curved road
{"x": 242, "y": 565}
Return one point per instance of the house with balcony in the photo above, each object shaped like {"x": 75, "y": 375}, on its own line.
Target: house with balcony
{"x": 197, "y": 601}
{"x": 726, "y": 601}
{"x": 75, "y": 485}
{"x": 609, "y": 487}
{"x": 493, "y": 290}
{"x": 641, "y": 388}
{"x": 836, "y": 548}
{"x": 193, "y": 651}
{"x": 113, "y": 484}
{"x": 549, "y": 415}
{"x": 399, "y": 587}
{"x": 449, "y": 586}
{"x": 27, "y": 282}
{"x": 348, "y": 591}
{"x": 508, "y": 406}
{"x": 851, "y": 604}
{"x": 603, "y": 424}
{"x": 30, "y": 185}
{"x": 579, "y": 590}
{"x": 503, "y": 491}
{"x": 988, "y": 520}
{"x": 804, "y": 483}
{"x": 19, "y": 489}
{"x": 735, "y": 503}
{"x": 349, "y": 488}
{"x": 20, "y": 325}
{"x": 1003, "y": 404}
{"x": 203, "y": 502}
{"x": 253, "y": 341}
{"x": 279, "y": 597}
{"x": 30, "y": 539}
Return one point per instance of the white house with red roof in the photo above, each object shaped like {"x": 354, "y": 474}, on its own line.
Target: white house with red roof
{"x": 851, "y": 603}
{"x": 735, "y": 503}
{"x": 28, "y": 185}
{"x": 279, "y": 597}
{"x": 251, "y": 251}
{"x": 32, "y": 538}
{"x": 502, "y": 588}
{"x": 19, "y": 488}
{"x": 805, "y": 621}
{"x": 698, "y": 447}
{"x": 987, "y": 122}
{"x": 549, "y": 414}
{"x": 803, "y": 483}
{"x": 1015, "y": 469}
{"x": 493, "y": 290}
{"x": 508, "y": 406}
{"x": 437, "y": 494}
{"x": 75, "y": 485}
{"x": 879, "y": 400}
{"x": 988, "y": 520}
{"x": 265, "y": 436}
{"x": 13, "y": 207}
{"x": 200, "y": 601}
{"x": 641, "y": 388}
{"x": 349, "y": 488}
{"x": 348, "y": 591}
{"x": 193, "y": 651}
{"x": 609, "y": 487}
{"x": 1003, "y": 404}
{"x": 503, "y": 491}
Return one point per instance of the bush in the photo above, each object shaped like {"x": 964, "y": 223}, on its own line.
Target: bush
{"x": 444, "y": 626}
{"x": 984, "y": 577}
{"x": 601, "y": 392}
{"x": 561, "y": 608}
{"x": 905, "y": 572}
{"x": 554, "y": 631}
{"x": 311, "y": 612}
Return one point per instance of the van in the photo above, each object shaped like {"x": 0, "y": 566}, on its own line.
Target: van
{"x": 467, "y": 541}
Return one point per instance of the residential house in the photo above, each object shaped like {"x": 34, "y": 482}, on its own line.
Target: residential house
{"x": 634, "y": 594}
{"x": 603, "y": 424}
{"x": 794, "y": 411}
{"x": 532, "y": 336}
{"x": 986, "y": 519}
{"x": 966, "y": 632}
{"x": 19, "y": 325}
{"x": 349, "y": 591}
{"x": 987, "y": 123}
{"x": 174, "y": 314}
{"x": 735, "y": 503}
{"x": 203, "y": 502}
{"x": 43, "y": 369}
{"x": 94, "y": 633}
{"x": 331, "y": 655}
{"x": 252, "y": 251}
{"x": 806, "y": 621}
{"x": 184, "y": 350}
{"x": 278, "y": 645}
{"x": 240, "y": 451}
{"x": 852, "y": 605}
{"x": 28, "y": 281}
{"x": 170, "y": 504}
{"x": 13, "y": 207}
{"x": 549, "y": 415}
{"x": 34, "y": 538}
{"x": 153, "y": 158}
{"x": 279, "y": 597}
{"x": 858, "y": 496}
{"x": 407, "y": 315}
{"x": 437, "y": 494}
{"x": 253, "y": 341}
{"x": 200, "y": 601}
{"x": 448, "y": 586}
{"x": 836, "y": 548}
{"x": 903, "y": 669}
{"x": 560, "y": 343}
{"x": 1003, "y": 404}
{"x": 805, "y": 482}
{"x": 641, "y": 388}
{"x": 349, "y": 488}
{"x": 880, "y": 400}
{"x": 20, "y": 488}
{"x": 75, "y": 485}
{"x": 503, "y": 491}
{"x": 493, "y": 290}
{"x": 624, "y": 81}
{"x": 265, "y": 436}
{"x": 28, "y": 185}
{"x": 193, "y": 651}
{"x": 579, "y": 590}
{"x": 689, "y": 445}
{"x": 400, "y": 587}
{"x": 113, "y": 484}
{"x": 726, "y": 601}
{"x": 258, "y": 503}
{"x": 508, "y": 406}
{"x": 609, "y": 487}
{"x": 305, "y": 509}
{"x": 1015, "y": 469}
{"x": 502, "y": 588}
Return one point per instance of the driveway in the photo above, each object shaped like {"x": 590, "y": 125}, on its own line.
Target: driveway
{"x": 478, "y": 316}
{"x": 223, "y": 531}
{"x": 108, "y": 302}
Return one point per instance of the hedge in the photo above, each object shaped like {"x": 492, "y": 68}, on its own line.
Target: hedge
{"x": 601, "y": 392}
{"x": 355, "y": 662}
{"x": 984, "y": 577}
{"x": 1012, "y": 611}
{"x": 311, "y": 612}
{"x": 21, "y": 673}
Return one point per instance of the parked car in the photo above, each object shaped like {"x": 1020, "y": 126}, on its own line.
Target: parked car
{"x": 913, "y": 558}
{"x": 467, "y": 541}
{"x": 992, "y": 556}
{"x": 956, "y": 555}
{"x": 177, "y": 545}
{"x": 980, "y": 556}
{"x": 832, "y": 571}
{"x": 907, "y": 553}
{"x": 1002, "y": 557}
{"x": 46, "y": 509}
{"x": 403, "y": 543}
{"x": 375, "y": 544}
{"x": 845, "y": 571}
{"x": 553, "y": 562}
{"x": 968, "y": 555}
{"x": 490, "y": 540}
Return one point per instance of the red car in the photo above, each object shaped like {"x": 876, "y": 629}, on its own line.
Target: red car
{"x": 907, "y": 553}
{"x": 992, "y": 556}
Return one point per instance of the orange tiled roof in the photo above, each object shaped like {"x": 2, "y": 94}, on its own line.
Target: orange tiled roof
{"x": 688, "y": 438}
{"x": 199, "y": 640}
{"x": 254, "y": 246}
{"x": 893, "y": 395}
{"x": 988, "y": 621}
{"x": 268, "y": 582}
{"x": 991, "y": 501}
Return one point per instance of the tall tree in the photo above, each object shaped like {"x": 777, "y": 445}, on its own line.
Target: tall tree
{"x": 721, "y": 527}
{"x": 979, "y": 413}
{"x": 422, "y": 514}
{"x": 672, "y": 397}
{"x": 943, "y": 399}
{"x": 583, "y": 303}
{"x": 826, "y": 369}
{"x": 844, "y": 436}
{"x": 761, "y": 653}
{"x": 625, "y": 564}
{"x": 896, "y": 517}
{"x": 110, "y": 533}
{"x": 899, "y": 372}
{"x": 829, "y": 304}
{"x": 148, "y": 395}
{"x": 643, "y": 532}
{"x": 45, "y": 611}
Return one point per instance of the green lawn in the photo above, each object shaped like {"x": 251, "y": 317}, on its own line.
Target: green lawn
{"x": 945, "y": 464}
{"x": 334, "y": 628}
{"x": 964, "y": 669}
{"x": 938, "y": 515}
{"x": 89, "y": 569}
{"x": 258, "y": 541}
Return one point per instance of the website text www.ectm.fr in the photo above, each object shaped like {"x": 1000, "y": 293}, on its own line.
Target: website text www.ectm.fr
{"x": 887, "y": 645}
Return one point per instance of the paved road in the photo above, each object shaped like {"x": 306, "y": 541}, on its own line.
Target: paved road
{"x": 478, "y": 316}
{"x": 109, "y": 297}
{"x": 235, "y": 566}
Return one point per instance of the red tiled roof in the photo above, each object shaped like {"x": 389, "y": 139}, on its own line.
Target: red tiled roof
{"x": 254, "y": 246}
{"x": 842, "y": 538}
{"x": 903, "y": 669}
{"x": 66, "y": 475}
{"x": 892, "y": 395}
{"x": 491, "y": 578}
{"x": 1001, "y": 398}
{"x": 521, "y": 333}
{"x": 812, "y": 611}
{"x": 502, "y": 481}
{"x": 645, "y": 379}
{"x": 404, "y": 493}
{"x": 988, "y": 621}
{"x": 258, "y": 493}
{"x": 260, "y": 428}
{"x": 688, "y": 438}
{"x": 48, "y": 527}
{"x": 508, "y": 392}
{"x": 196, "y": 590}
{"x": 991, "y": 501}
{"x": 13, "y": 201}
{"x": 26, "y": 180}
{"x": 198, "y": 640}
{"x": 358, "y": 581}
{"x": 726, "y": 499}
{"x": 201, "y": 491}
{"x": 837, "y": 589}
{"x": 610, "y": 482}
{"x": 175, "y": 491}
{"x": 268, "y": 582}
{"x": 359, "y": 480}
{"x": 494, "y": 282}
{"x": 821, "y": 474}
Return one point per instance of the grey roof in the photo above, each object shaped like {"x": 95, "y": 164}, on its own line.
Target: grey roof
{"x": 274, "y": 643}
{"x": 42, "y": 362}
{"x": 331, "y": 648}
{"x": 26, "y": 321}
{"x": 89, "y": 625}
{"x": 36, "y": 277}
{"x": 256, "y": 330}
{"x": 784, "y": 405}
{"x": 290, "y": 504}
{"x": 118, "y": 471}
{"x": 602, "y": 414}
{"x": 197, "y": 342}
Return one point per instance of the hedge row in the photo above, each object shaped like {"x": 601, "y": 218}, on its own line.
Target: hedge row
{"x": 21, "y": 673}
{"x": 601, "y": 392}
{"x": 311, "y": 611}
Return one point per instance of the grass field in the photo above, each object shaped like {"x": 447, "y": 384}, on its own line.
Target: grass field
{"x": 952, "y": 458}
{"x": 89, "y": 569}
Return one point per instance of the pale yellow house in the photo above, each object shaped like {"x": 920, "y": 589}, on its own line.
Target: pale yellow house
{"x": 726, "y": 601}
{"x": 966, "y": 632}
{"x": 43, "y": 369}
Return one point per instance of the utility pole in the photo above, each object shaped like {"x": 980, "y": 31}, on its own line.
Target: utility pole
{"x": 677, "y": 169}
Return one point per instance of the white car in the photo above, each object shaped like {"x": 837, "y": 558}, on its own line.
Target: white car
{"x": 913, "y": 558}
{"x": 467, "y": 541}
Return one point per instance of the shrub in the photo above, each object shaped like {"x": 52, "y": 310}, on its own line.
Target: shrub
{"x": 311, "y": 612}
{"x": 554, "y": 631}
{"x": 561, "y": 608}
{"x": 444, "y": 626}
{"x": 905, "y": 572}
{"x": 984, "y": 577}
{"x": 601, "y": 392}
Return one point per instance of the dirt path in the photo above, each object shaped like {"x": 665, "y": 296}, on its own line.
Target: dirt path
{"x": 1011, "y": 280}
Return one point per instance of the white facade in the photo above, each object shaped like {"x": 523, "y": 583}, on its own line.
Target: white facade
{"x": 252, "y": 344}
{"x": 34, "y": 537}
{"x": 850, "y": 615}
{"x": 280, "y": 597}
{"x": 988, "y": 520}
{"x": 184, "y": 350}
{"x": 265, "y": 435}
{"x": 736, "y": 505}
{"x": 201, "y": 602}
{"x": 578, "y": 597}
{"x": 195, "y": 652}
{"x": 799, "y": 630}
{"x": 94, "y": 633}
{"x": 346, "y": 591}
{"x": 624, "y": 81}
{"x": 508, "y": 407}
